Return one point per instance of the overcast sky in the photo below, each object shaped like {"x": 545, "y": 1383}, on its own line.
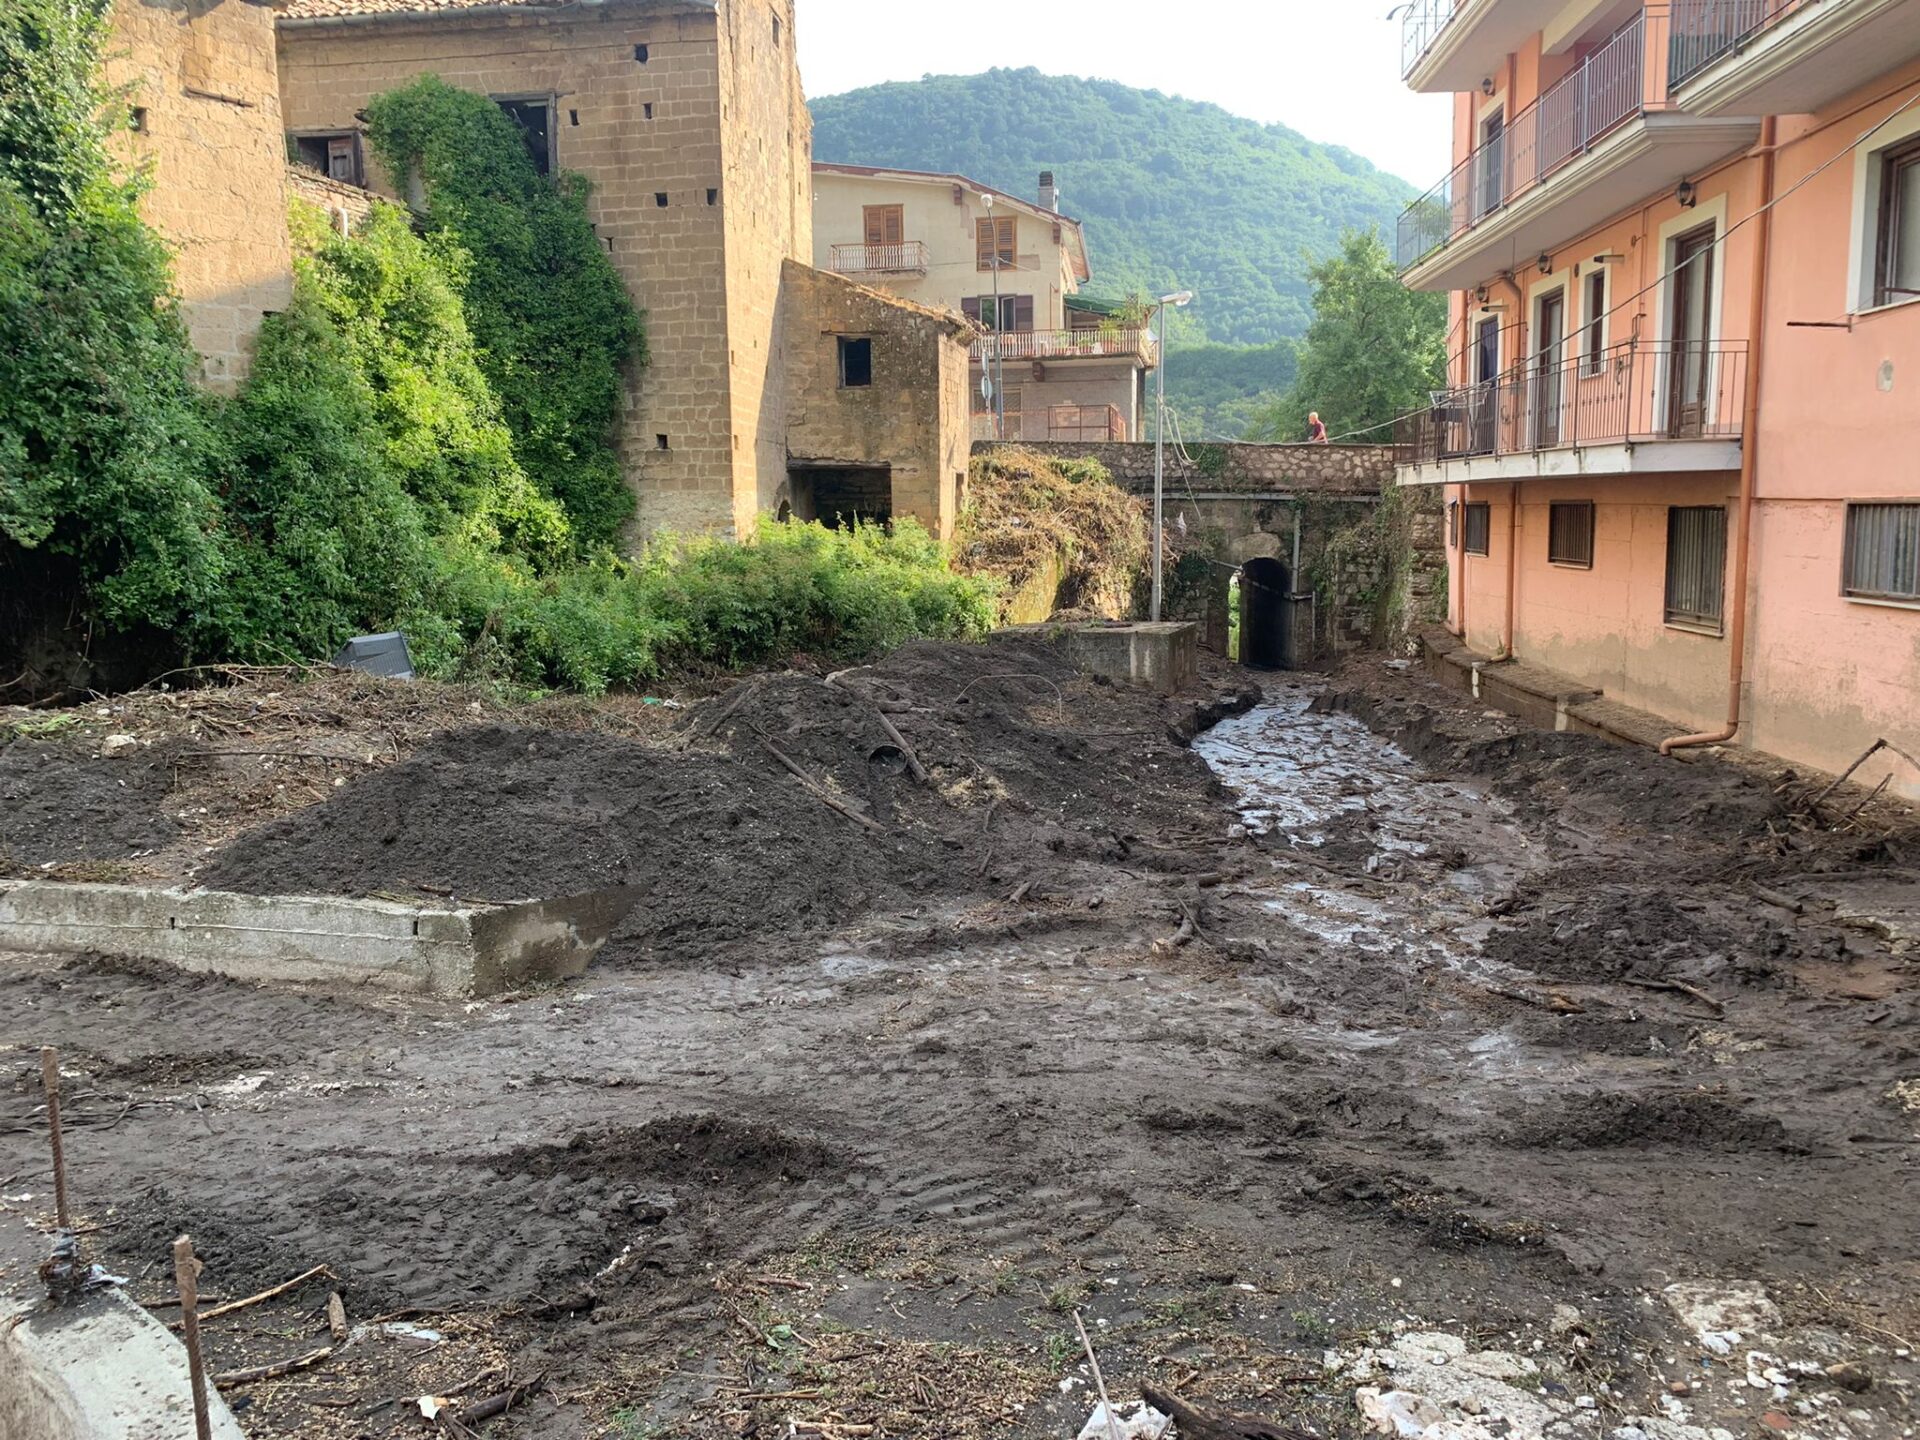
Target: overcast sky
{"x": 1328, "y": 68}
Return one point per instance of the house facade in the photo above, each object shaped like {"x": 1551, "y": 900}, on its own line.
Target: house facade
{"x": 1053, "y": 364}
{"x": 204, "y": 124}
{"x": 1678, "y": 441}
{"x": 688, "y": 118}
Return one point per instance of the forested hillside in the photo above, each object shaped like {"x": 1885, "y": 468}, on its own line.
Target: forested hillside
{"x": 1174, "y": 194}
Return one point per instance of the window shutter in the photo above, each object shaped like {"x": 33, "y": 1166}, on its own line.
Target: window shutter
{"x": 1023, "y": 312}
{"x": 983, "y": 244}
{"x": 970, "y": 307}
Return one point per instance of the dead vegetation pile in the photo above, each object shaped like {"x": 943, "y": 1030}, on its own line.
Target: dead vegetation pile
{"x": 1030, "y": 516}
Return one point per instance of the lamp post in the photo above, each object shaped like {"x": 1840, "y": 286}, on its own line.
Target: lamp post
{"x": 1180, "y": 300}
{"x": 996, "y": 364}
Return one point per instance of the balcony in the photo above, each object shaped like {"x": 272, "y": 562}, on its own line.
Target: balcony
{"x": 908, "y": 258}
{"x": 1784, "y": 57}
{"x": 1091, "y": 343}
{"x": 1597, "y": 142}
{"x": 1641, "y": 408}
{"x": 1450, "y": 45}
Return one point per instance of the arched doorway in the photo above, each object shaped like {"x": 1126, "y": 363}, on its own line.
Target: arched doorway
{"x": 1266, "y": 630}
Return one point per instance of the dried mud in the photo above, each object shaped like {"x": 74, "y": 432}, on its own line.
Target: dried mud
{"x": 1246, "y": 1048}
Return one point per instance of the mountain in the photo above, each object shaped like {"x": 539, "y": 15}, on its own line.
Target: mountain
{"x": 1175, "y": 195}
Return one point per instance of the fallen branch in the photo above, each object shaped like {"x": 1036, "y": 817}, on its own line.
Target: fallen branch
{"x": 820, "y": 792}
{"x": 498, "y": 1404}
{"x": 1678, "y": 987}
{"x": 1198, "y": 1424}
{"x": 734, "y": 702}
{"x": 913, "y": 760}
{"x": 274, "y": 1371}
{"x": 232, "y": 1305}
{"x": 1099, "y": 1380}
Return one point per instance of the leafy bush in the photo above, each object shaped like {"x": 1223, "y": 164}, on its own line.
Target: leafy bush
{"x": 1027, "y": 512}
{"x": 106, "y": 447}
{"x": 553, "y": 319}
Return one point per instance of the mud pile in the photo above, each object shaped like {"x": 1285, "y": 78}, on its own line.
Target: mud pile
{"x": 52, "y": 810}
{"x": 1022, "y": 756}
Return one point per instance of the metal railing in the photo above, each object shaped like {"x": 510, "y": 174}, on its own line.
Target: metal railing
{"x": 1605, "y": 91}
{"x": 1090, "y": 343}
{"x": 907, "y": 258}
{"x": 1630, "y": 394}
{"x": 1424, "y": 21}
{"x": 1081, "y": 424}
{"x": 1705, "y": 30}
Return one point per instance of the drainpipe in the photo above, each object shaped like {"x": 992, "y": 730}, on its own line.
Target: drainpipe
{"x": 1749, "y": 459}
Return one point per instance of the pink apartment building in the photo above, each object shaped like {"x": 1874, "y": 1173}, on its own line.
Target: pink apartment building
{"x": 1680, "y": 443}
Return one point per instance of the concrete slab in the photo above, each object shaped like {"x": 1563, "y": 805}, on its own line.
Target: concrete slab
{"x": 1163, "y": 656}
{"x": 442, "y": 950}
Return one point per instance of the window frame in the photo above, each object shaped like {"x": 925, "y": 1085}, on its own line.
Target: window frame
{"x": 883, "y": 213}
{"x": 988, "y": 243}
{"x": 1555, "y": 555}
{"x": 1594, "y": 331}
{"x": 1692, "y": 621}
{"x": 1482, "y": 512}
{"x": 548, "y": 102}
{"x": 1892, "y": 162}
{"x": 846, "y": 349}
{"x": 325, "y": 138}
{"x": 1860, "y": 595}
{"x": 1453, "y": 525}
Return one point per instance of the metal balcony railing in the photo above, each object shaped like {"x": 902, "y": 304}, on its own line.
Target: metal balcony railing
{"x": 1705, "y": 30}
{"x": 1080, "y": 424}
{"x": 1419, "y": 28}
{"x": 1634, "y": 393}
{"x": 907, "y": 258}
{"x": 1085, "y": 344}
{"x": 1605, "y": 91}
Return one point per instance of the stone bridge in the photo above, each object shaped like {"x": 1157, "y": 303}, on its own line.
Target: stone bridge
{"x": 1325, "y": 560}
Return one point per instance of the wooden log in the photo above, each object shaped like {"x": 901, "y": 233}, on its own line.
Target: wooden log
{"x": 1198, "y": 1424}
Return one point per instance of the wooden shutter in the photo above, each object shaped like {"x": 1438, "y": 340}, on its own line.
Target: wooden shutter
{"x": 970, "y": 307}
{"x": 998, "y": 234}
{"x": 1023, "y": 312}
{"x": 886, "y": 225}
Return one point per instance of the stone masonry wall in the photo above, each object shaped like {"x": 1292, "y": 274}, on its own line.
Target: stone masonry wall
{"x": 672, "y": 256}
{"x": 199, "y": 75}
{"x": 912, "y": 418}
{"x": 1245, "y": 469}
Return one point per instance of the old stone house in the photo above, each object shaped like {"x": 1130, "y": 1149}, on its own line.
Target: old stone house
{"x": 770, "y": 385}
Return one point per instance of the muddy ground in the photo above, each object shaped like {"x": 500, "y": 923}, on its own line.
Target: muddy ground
{"x": 1362, "y": 1019}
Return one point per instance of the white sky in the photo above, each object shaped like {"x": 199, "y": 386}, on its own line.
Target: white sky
{"x": 1327, "y": 68}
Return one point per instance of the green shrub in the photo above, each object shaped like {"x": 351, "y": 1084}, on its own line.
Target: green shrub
{"x": 554, "y": 322}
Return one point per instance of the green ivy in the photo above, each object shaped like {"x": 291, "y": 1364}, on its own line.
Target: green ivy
{"x": 555, "y": 325}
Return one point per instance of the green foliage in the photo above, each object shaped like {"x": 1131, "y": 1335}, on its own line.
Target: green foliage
{"x": 105, "y": 445}
{"x": 1051, "y": 533}
{"x": 1216, "y": 391}
{"x": 709, "y": 602}
{"x": 555, "y": 325}
{"x": 1175, "y": 194}
{"x": 1374, "y": 351}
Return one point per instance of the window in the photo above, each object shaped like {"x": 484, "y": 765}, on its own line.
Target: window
{"x": 573, "y": 118}
{"x": 1570, "y": 533}
{"x": 996, "y": 238}
{"x": 335, "y": 156}
{"x": 660, "y": 443}
{"x": 535, "y": 119}
{"x": 1896, "y": 271}
{"x": 1697, "y": 566}
{"x": 776, "y": 30}
{"x": 886, "y": 225}
{"x": 137, "y": 120}
{"x": 1453, "y": 525}
{"x": 1479, "y": 528}
{"x": 660, "y": 199}
{"x": 856, "y": 363}
{"x": 1883, "y": 552}
{"x": 713, "y": 197}
{"x": 1015, "y": 314}
{"x": 1596, "y": 344}
{"x": 647, "y": 110}
{"x": 640, "y": 53}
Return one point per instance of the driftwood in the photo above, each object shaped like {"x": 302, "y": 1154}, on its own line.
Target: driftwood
{"x": 276, "y": 1370}
{"x": 825, "y": 796}
{"x": 496, "y": 1405}
{"x": 278, "y": 1290}
{"x": 1678, "y": 987}
{"x": 336, "y": 1317}
{"x": 1198, "y": 1424}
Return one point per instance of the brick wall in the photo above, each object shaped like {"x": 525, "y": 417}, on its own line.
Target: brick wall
{"x": 672, "y": 257}
{"x": 348, "y": 207}
{"x": 201, "y": 75}
{"x": 911, "y": 418}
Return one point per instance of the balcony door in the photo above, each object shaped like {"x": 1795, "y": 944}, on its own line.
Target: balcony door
{"x": 1550, "y": 328}
{"x": 1483, "y": 405}
{"x": 1690, "y": 367}
{"x": 1490, "y": 179}
{"x": 886, "y": 225}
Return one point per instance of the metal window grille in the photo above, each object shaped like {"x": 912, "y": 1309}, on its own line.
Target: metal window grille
{"x": 1883, "y": 552}
{"x": 1697, "y": 566}
{"x": 1570, "y": 533}
{"x": 1479, "y": 527}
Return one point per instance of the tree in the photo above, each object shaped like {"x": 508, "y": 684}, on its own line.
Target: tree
{"x": 1374, "y": 350}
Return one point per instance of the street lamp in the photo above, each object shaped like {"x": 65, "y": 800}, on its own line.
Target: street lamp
{"x": 996, "y": 366}
{"x": 1179, "y": 301}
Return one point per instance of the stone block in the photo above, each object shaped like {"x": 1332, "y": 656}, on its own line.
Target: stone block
{"x": 1163, "y": 656}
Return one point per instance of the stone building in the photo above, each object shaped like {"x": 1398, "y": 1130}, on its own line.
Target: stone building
{"x": 1065, "y": 367}
{"x": 688, "y": 118}
{"x": 198, "y": 76}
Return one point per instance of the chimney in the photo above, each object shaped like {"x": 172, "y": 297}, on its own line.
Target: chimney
{"x": 1049, "y": 194}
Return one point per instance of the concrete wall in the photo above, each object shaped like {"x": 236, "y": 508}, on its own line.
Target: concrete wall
{"x": 912, "y": 418}
{"x": 673, "y": 257}
{"x": 201, "y": 74}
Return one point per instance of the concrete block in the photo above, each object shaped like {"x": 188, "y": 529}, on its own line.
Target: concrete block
{"x": 441, "y": 950}
{"x": 1163, "y": 656}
